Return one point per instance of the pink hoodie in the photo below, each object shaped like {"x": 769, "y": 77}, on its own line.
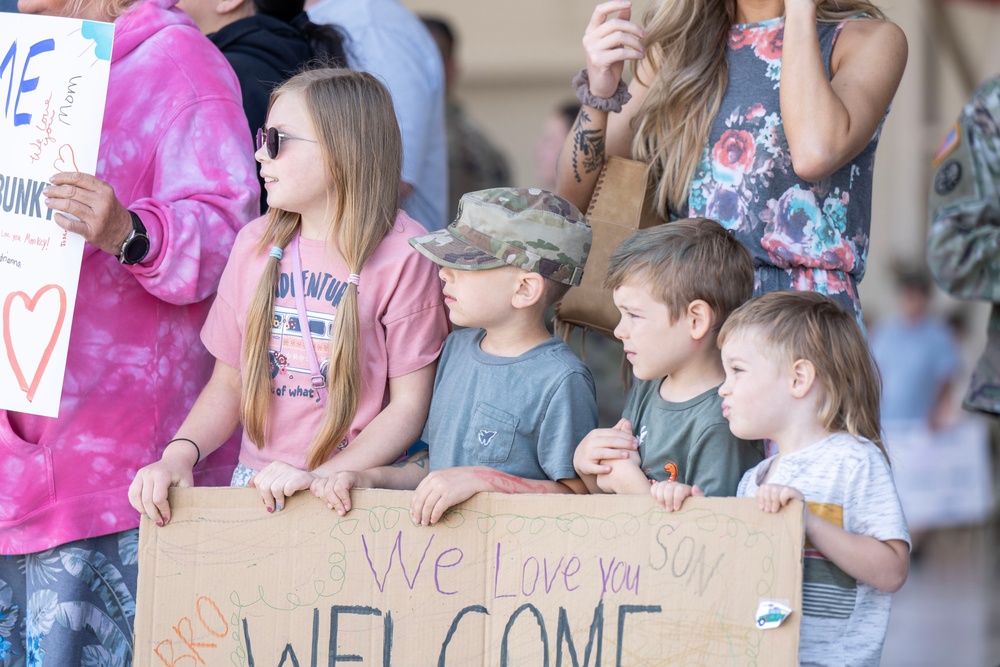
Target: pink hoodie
{"x": 176, "y": 148}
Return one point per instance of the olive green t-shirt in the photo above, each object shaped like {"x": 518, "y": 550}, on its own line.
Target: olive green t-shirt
{"x": 689, "y": 442}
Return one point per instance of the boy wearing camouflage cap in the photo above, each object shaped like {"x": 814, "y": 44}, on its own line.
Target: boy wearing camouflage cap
{"x": 510, "y": 401}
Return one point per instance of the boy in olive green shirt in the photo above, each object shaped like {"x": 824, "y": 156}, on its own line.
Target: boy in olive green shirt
{"x": 675, "y": 284}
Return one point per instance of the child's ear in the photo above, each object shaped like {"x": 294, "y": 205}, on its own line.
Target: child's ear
{"x": 803, "y": 377}
{"x": 700, "y": 318}
{"x": 223, "y": 7}
{"x": 530, "y": 289}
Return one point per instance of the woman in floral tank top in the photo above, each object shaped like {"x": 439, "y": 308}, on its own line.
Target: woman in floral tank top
{"x": 761, "y": 114}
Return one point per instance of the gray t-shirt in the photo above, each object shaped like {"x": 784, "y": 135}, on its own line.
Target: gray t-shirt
{"x": 522, "y": 415}
{"x": 688, "y": 442}
{"x": 847, "y": 482}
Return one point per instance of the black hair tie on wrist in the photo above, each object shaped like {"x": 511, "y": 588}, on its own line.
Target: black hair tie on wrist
{"x": 196, "y": 447}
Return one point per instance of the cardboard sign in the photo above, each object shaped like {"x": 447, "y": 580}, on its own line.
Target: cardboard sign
{"x": 53, "y": 82}
{"x": 503, "y": 580}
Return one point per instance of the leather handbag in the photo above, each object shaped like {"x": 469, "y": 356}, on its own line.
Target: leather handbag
{"x": 622, "y": 203}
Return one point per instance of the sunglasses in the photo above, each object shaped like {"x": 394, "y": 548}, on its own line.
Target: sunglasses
{"x": 270, "y": 137}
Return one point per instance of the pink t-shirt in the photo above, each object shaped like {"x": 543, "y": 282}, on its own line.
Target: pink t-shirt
{"x": 403, "y": 326}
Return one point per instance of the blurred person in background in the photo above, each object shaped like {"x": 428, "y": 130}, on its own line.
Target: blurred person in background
{"x": 474, "y": 163}
{"x": 554, "y": 132}
{"x": 266, "y": 42}
{"x": 388, "y": 40}
{"x": 917, "y": 355}
{"x": 174, "y": 183}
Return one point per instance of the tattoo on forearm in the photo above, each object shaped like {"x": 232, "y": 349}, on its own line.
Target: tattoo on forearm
{"x": 588, "y": 148}
{"x": 420, "y": 459}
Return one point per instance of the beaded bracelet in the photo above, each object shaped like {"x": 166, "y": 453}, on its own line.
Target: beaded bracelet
{"x": 614, "y": 104}
{"x": 196, "y": 447}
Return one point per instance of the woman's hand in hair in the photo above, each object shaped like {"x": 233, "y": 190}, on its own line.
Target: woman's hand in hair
{"x": 608, "y": 43}
{"x": 278, "y": 481}
{"x": 101, "y": 219}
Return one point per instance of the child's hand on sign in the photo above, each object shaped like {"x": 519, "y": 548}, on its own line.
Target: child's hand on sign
{"x": 278, "y": 481}
{"x": 441, "y": 490}
{"x": 671, "y": 495}
{"x": 336, "y": 489}
{"x": 772, "y": 497}
{"x": 148, "y": 491}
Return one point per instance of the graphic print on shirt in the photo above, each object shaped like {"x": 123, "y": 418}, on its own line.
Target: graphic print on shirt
{"x": 485, "y": 437}
{"x": 288, "y": 352}
{"x": 319, "y": 286}
{"x": 827, "y": 591}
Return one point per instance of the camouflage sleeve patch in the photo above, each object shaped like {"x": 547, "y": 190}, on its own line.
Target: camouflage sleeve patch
{"x": 963, "y": 239}
{"x": 955, "y": 181}
{"x": 947, "y": 146}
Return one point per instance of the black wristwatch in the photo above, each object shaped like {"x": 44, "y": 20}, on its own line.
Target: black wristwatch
{"x": 136, "y": 246}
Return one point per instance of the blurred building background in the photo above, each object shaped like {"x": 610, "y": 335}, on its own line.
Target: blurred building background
{"x": 516, "y": 60}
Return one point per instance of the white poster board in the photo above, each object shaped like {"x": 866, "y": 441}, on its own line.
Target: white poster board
{"x": 53, "y": 83}
{"x": 943, "y": 477}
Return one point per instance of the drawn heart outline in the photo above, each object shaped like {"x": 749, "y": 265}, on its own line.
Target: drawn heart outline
{"x": 63, "y": 160}
{"x": 30, "y": 304}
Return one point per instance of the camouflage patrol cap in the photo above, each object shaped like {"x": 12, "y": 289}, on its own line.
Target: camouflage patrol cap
{"x": 524, "y": 227}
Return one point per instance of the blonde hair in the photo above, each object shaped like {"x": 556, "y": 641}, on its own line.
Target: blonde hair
{"x": 113, "y": 8}
{"x": 814, "y": 327}
{"x": 683, "y": 261}
{"x": 686, "y": 46}
{"x": 359, "y": 138}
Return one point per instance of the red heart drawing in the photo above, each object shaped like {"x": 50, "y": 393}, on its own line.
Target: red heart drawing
{"x": 30, "y": 390}
{"x": 66, "y": 159}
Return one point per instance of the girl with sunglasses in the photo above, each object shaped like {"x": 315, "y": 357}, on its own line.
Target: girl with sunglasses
{"x": 316, "y": 399}
{"x": 265, "y": 41}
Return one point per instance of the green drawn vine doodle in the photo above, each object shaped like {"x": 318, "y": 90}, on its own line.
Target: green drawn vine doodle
{"x": 322, "y": 588}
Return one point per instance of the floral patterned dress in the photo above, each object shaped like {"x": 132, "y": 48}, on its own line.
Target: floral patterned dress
{"x": 809, "y": 236}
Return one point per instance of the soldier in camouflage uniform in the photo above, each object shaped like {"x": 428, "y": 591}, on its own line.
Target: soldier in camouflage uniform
{"x": 963, "y": 248}
{"x": 510, "y": 401}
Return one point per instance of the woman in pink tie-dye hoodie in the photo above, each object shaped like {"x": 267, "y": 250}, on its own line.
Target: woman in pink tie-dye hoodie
{"x": 175, "y": 159}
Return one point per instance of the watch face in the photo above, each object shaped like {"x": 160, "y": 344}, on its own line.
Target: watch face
{"x": 135, "y": 250}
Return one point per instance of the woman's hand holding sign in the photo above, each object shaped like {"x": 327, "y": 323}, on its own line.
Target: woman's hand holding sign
{"x": 100, "y": 218}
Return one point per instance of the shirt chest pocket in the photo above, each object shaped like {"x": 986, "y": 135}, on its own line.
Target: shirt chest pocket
{"x": 490, "y": 435}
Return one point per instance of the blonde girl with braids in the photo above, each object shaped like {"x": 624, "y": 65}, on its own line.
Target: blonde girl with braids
{"x": 328, "y": 270}
{"x": 761, "y": 114}
{"x": 799, "y": 372}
